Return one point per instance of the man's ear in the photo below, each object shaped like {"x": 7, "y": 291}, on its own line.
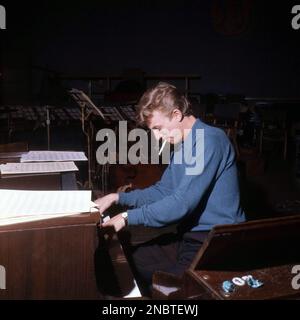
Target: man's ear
{"x": 177, "y": 114}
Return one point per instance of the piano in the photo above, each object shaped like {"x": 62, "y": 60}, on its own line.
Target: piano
{"x": 62, "y": 258}
{"x": 51, "y": 259}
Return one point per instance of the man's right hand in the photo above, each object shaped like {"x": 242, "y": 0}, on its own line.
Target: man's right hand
{"x": 107, "y": 201}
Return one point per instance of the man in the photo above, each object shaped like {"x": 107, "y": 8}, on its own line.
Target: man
{"x": 196, "y": 200}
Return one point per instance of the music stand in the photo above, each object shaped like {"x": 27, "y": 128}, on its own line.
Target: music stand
{"x": 84, "y": 101}
{"x": 48, "y": 126}
{"x": 87, "y": 108}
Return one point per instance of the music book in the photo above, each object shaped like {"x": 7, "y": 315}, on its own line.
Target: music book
{"x": 38, "y": 156}
{"x": 37, "y": 167}
{"x": 18, "y": 206}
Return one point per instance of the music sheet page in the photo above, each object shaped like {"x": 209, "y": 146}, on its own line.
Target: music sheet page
{"x": 38, "y": 156}
{"x": 21, "y": 206}
{"x": 37, "y": 167}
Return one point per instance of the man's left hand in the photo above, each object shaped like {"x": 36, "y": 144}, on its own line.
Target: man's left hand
{"x": 117, "y": 222}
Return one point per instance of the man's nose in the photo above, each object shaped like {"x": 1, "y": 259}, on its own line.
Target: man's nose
{"x": 157, "y": 134}
{"x": 164, "y": 134}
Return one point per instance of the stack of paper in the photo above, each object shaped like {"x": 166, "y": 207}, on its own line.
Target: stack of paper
{"x": 36, "y": 167}
{"x": 38, "y": 156}
{"x": 18, "y": 206}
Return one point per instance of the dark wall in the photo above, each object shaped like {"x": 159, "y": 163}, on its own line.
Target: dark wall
{"x": 242, "y": 47}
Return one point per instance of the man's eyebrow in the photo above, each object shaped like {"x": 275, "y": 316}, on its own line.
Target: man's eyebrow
{"x": 156, "y": 127}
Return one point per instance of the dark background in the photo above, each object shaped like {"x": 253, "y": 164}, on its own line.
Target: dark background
{"x": 245, "y": 47}
{"x": 241, "y": 48}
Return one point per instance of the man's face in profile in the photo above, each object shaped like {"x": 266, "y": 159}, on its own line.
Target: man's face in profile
{"x": 166, "y": 127}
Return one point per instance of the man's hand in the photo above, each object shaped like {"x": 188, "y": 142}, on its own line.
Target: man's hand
{"x": 107, "y": 201}
{"x": 125, "y": 187}
{"x": 117, "y": 222}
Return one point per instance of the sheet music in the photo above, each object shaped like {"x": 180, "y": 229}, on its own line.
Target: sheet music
{"x": 23, "y": 206}
{"x": 38, "y": 156}
{"x": 10, "y": 221}
{"x": 37, "y": 167}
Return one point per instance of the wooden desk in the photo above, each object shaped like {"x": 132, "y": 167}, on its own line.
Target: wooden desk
{"x": 45, "y": 181}
{"x": 266, "y": 249}
{"x": 10, "y": 156}
{"x": 49, "y": 181}
{"x": 51, "y": 259}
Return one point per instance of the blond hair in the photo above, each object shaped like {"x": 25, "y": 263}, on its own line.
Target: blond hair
{"x": 163, "y": 97}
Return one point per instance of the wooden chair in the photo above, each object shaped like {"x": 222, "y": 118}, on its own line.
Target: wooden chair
{"x": 274, "y": 130}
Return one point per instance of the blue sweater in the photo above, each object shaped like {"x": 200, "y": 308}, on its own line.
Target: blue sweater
{"x": 196, "y": 201}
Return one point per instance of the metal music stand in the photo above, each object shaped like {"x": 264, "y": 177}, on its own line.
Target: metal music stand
{"x": 87, "y": 109}
{"x": 48, "y": 121}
